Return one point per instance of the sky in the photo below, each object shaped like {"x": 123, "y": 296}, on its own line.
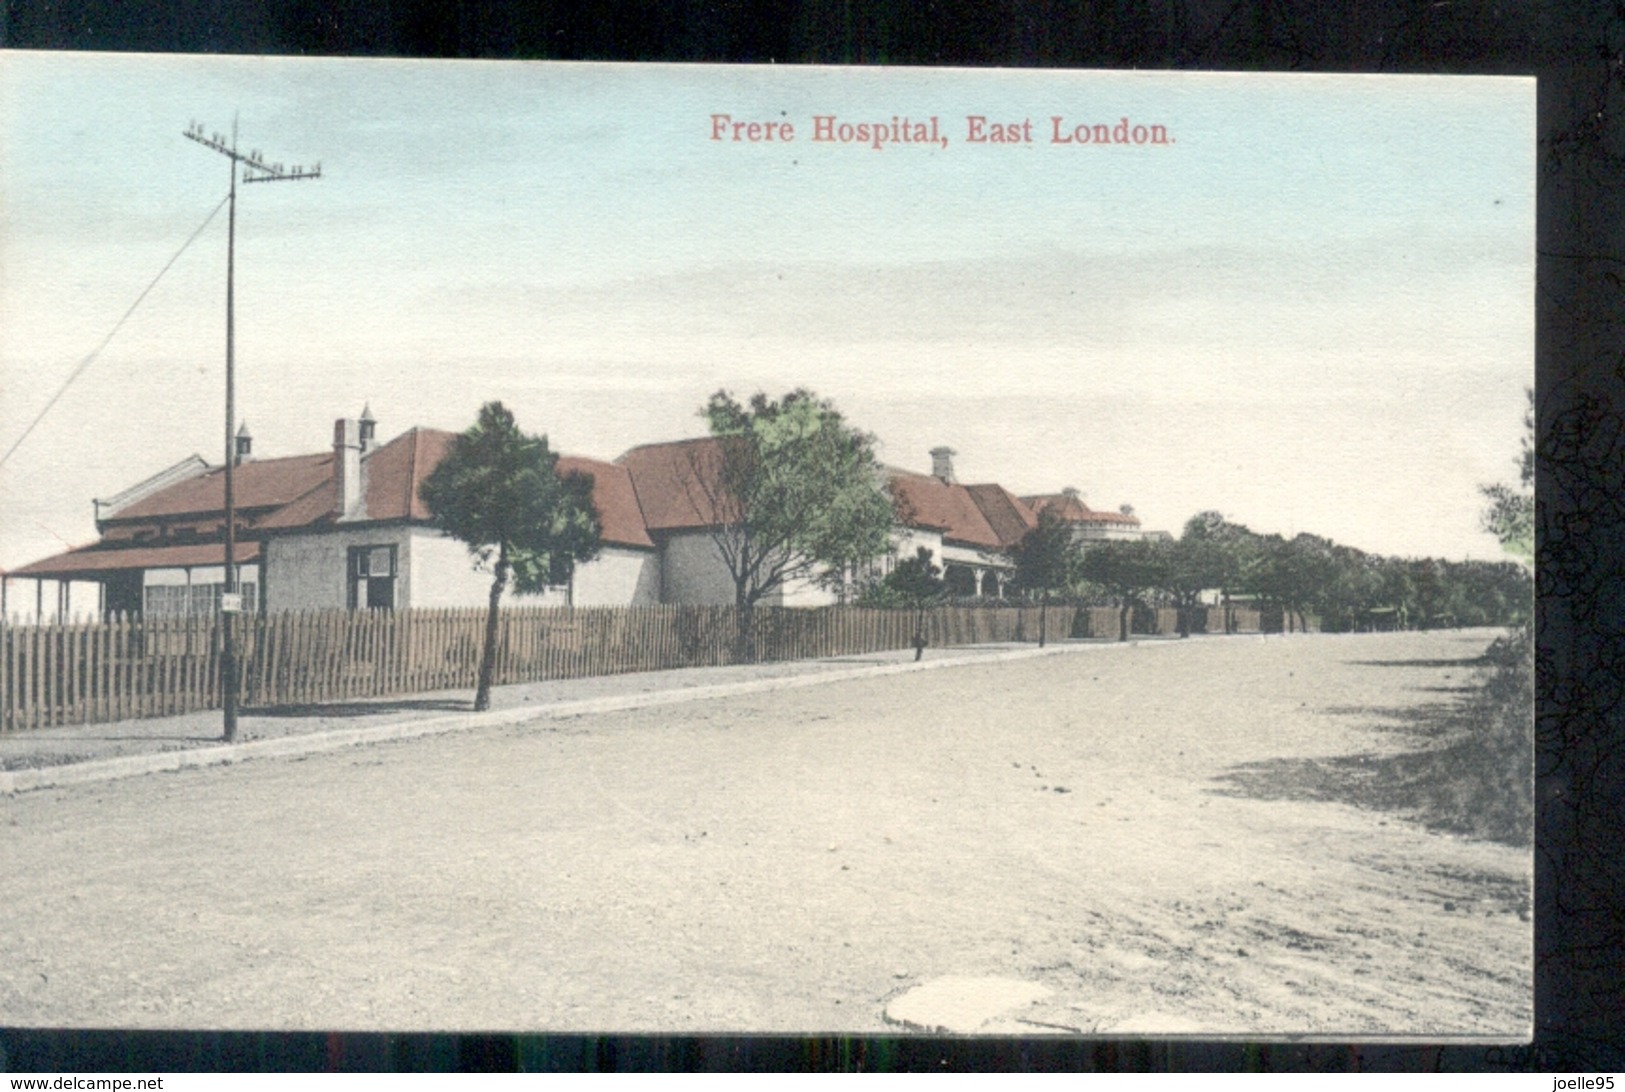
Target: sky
{"x": 1311, "y": 308}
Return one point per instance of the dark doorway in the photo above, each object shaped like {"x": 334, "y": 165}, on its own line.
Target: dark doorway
{"x": 122, "y": 593}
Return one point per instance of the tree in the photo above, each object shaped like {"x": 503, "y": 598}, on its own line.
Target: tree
{"x": 791, "y": 491}
{"x": 1046, "y": 559}
{"x": 1296, "y": 573}
{"x": 1354, "y": 591}
{"x": 1200, "y": 559}
{"x": 1397, "y": 588}
{"x": 919, "y": 581}
{"x": 498, "y": 490}
{"x": 1428, "y": 591}
{"x": 1127, "y": 570}
{"x": 1232, "y": 551}
{"x": 1510, "y": 513}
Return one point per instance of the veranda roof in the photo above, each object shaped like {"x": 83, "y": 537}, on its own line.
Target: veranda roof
{"x": 91, "y": 562}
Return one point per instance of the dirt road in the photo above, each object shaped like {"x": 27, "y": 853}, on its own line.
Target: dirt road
{"x": 795, "y": 861}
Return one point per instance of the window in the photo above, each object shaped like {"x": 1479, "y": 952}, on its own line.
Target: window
{"x": 165, "y": 600}
{"x": 372, "y": 578}
{"x": 177, "y": 600}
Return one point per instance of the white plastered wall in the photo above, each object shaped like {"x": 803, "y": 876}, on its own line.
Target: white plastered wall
{"x": 618, "y": 577}
{"x": 309, "y": 571}
{"x": 692, "y": 571}
{"x": 442, "y": 574}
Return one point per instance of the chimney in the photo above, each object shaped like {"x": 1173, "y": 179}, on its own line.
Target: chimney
{"x": 369, "y": 429}
{"x": 346, "y": 468}
{"x": 245, "y": 445}
{"x": 942, "y": 463}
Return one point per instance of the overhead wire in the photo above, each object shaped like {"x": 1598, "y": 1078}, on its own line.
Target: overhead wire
{"x": 94, "y": 353}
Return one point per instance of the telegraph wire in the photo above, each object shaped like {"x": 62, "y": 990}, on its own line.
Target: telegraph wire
{"x": 94, "y": 353}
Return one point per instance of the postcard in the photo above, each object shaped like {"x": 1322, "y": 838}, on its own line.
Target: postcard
{"x": 703, "y": 549}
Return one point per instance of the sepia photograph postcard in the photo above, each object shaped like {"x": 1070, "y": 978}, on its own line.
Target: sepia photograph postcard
{"x": 687, "y": 549}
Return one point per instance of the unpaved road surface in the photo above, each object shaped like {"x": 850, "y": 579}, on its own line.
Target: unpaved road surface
{"x": 795, "y": 861}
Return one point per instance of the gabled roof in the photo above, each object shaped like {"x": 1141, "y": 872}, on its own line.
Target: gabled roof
{"x": 1006, "y": 513}
{"x": 394, "y": 472}
{"x": 189, "y": 467}
{"x": 1069, "y": 506}
{"x": 264, "y": 483}
{"x": 299, "y": 491}
{"x": 650, "y": 489}
{"x": 391, "y": 473}
{"x": 929, "y": 502}
{"x": 679, "y": 489}
{"x": 620, "y": 519}
{"x": 678, "y": 484}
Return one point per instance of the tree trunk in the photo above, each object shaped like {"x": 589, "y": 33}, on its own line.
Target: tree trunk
{"x": 1043, "y": 618}
{"x": 488, "y": 657}
{"x": 745, "y": 637}
{"x": 1122, "y": 620}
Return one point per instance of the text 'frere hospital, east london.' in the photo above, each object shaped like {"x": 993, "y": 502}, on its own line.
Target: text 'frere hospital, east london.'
{"x": 977, "y": 129}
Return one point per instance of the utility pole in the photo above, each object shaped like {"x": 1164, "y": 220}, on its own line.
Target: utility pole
{"x": 255, "y": 169}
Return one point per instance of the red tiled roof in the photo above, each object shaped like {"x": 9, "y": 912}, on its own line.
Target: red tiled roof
{"x": 303, "y": 486}
{"x": 619, "y": 518}
{"x": 99, "y": 559}
{"x": 678, "y": 489}
{"x": 678, "y": 484}
{"x": 926, "y": 501}
{"x": 392, "y": 474}
{"x": 395, "y": 471}
{"x": 1070, "y": 507}
{"x": 1006, "y": 513}
{"x": 263, "y": 483}
{"x": 315, "y": 505}
{"x": 655, "y": 487}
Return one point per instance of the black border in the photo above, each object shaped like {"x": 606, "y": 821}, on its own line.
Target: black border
{"x": 1578, "y": 51}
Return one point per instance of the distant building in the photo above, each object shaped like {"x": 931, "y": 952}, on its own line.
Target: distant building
{"x": 968, "y": 529}
{"x": 1089, "y": 525}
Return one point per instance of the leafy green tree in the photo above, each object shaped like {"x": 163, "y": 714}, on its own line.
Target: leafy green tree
{"x": 1233, "y": 552}
{"x": 1398, "y": 590}
{"x": 1126, "y": 570}
{"x": 1295, "y": 573}
{"x": 918, "y": 581}
{"x": 794, "y": 492}
{"x": 498, "y": 490}
{"x": 1201, "y": 559}
{"x": 1354, "y": 590}
{"x": 1494, "y": 592}
{"x": 1046, "y": 559}
{"x": 1431, "y": 595}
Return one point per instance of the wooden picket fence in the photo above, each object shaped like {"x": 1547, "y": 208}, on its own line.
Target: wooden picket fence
{"x": 127, "y": 668}
{"x": 1103, "y": 622}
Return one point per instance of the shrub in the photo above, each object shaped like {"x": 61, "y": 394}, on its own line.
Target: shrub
{"x": 1497, "y": 754}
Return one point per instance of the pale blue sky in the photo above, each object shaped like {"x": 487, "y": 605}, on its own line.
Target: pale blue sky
{"x": 1312, "y": 311}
